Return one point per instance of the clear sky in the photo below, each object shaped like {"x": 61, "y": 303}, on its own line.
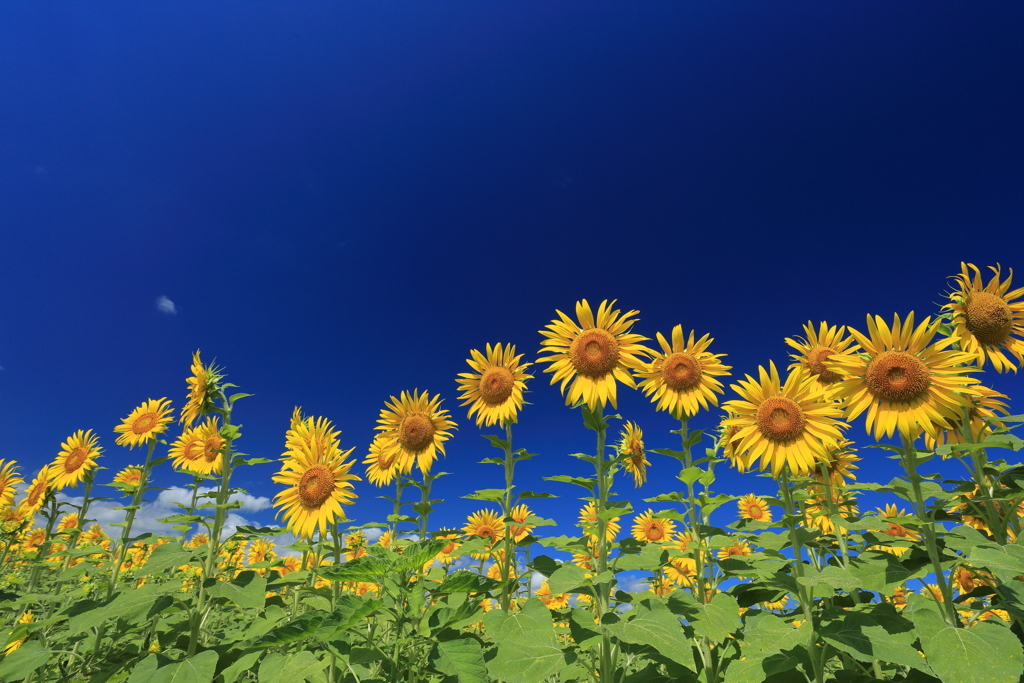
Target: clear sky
{"x": 337, "y": 201}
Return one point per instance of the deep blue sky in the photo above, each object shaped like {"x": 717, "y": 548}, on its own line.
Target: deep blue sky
{"x": 342, "y": 198}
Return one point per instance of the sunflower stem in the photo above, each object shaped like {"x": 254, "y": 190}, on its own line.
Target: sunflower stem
{"x": 191, "y": 509}
{"x": 979, "y": 458}
{"x": 695, "y": 521}
{"x": 507, "y": 560}
{"x": 833, "y": 509}
{"x": 607, "y": 662}
{"x": 928, "y": 528}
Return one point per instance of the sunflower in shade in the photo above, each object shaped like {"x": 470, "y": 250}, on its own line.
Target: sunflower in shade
{"x": 446, "y": 556}
{"x": 144, "y": 423}
{"x": 648, "y": 528}
{"x": 817, "y": 347}
{"x": 681, "y": 379}
{"x": 9, "y": 481}
{"x": 988, "y": 318}
{"x": 495, "y": 387}
{"x": 755, "y": 508}
{"x": 588, "y": 520}
{"x": 520, "y": 528}
{"x": 416, "y": 426}
{"x": 631, "y": 449}
{"x": 317, "y": 475}
{"x": 903, "y": 381}
{"x": 76, "y": 458}
{"x": 794, "y": 424}
{"x": 985, "y": 406}
{"x": 895, "y": 530}
{"x": 592, "y": 354}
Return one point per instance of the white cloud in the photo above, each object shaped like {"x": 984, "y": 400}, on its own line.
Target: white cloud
{"x": 165, "y": 305}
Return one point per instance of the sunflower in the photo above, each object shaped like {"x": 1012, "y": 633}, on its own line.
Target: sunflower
{"x": 553, "y": 602}
{"x": 593, "y": 354}
{"x": 417, "y": 427}
{"x": 316, "y": 473}
{"x": 445, "y": 556}
{"x": 385, "y": 540}
{"x": 646, "y": 527}
{"x": 520, "y": 529}
{"x": 144, "y": 423}
{"x": 682, "y": 571}
{"x": 681, "y": 379}
{"x": 261, "y": 550}
{"x": 485, "y": 524}
{"x": 9, "y": 481}
{"x": 76, "y": 457}
{"x": 186, "y": 449}
{"x": 817, "y": 347}
{"x": 987, "y": 320}
{"x": 210, "y": 459}
{"x": 37, "y": 491}
{"x": 777, "y": 605}
{"x": 588, "y": 520}
{"x": 895, "y": 530}
{"x": 741, "y": 460}
{"x": 817, "y": 513}
{"x": 985, "y": 405}
{"x": 93, "y": 535}
{"x": 739, "y": 548}
{"x": 631, "y": 448}
{"x": 289, "y": 564}
{"x": 355, "y": 546}
{"x": 12, "y": 519}
{"x": 26, "y": 618}
{"x": 793, "y": 424}
{"x": 68, "y": 522}
{"x": 755, "y": 508}
{"x": 841, "y": 461}
{"x": 201, "y": 384}
{"x": 383, "y": 463}
{"x": 197, "y": 540}
{"x": 902, "y": 381}
{"x": 495, "y": 387}
{"x": 129, "y": 479}
{"x": 967, "y": 578}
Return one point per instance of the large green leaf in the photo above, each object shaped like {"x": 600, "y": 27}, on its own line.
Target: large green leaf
{"x": 418, "y": 554}
{"x": 984, "y": 653}
{"x": 463, "y": 581}
{"x": 366, "y": 568}
{"x": 880, "y": 572}
{"x": 247, "y": 590}
{"x": 241, "y": 665}
{"x": 830, "y": 579}
{"x": 865, "y": 639}
{"x": 164, "y": 557}
{"x": 293, "y": 668}
{"x": 757, "y": 669}
{"x": 566, "y": 578}
{"x": 769, "y": 634}
{"x": 23, "y": 661}
{"x": 649, "y": 558}
{"x": 651, "y": 623}
{"x": 158, "y": 669}
{"x": 131, "y": 604}
{"x": 717, "y": 619}
{"x": 1005, "y": 561}
{"x": 462, "y": 658}
{"x": 527, "y": 649}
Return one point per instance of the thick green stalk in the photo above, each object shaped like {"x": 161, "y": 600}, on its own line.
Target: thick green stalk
{"x": 508, "y": 560}
{"x": 607, "y": 658}
{"x": 798, "y": 572}
{"x": 191, "y": 509}
{"x": 833, "y": 509}
{"x": 695, "y": 521}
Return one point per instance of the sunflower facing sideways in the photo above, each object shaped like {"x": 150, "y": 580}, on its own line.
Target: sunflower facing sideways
{"x": 988, "y": 320}
{"x": 417, "y": 427}
{"x": 817, "y": 347}
{"x": 631, "y": 449}
{"x": 593, "y": 353}
{"x": 903, "y": 381}
{"x": 383, "y": 463}
{"x": 9, "y": 481}
{"x": 144, "y": 423}
{"x": 681, "y": 379}
{"x": 794, "y": 424}
{"x": 35, "y": 495}
{"x": 316, "y": 473}
{"x": 76, "y": 458}
{"x": 495, "y": 387}
{"x": 203, "y": 381}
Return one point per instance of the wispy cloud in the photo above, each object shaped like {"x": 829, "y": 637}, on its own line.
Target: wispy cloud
{"x": 165, "y": 305}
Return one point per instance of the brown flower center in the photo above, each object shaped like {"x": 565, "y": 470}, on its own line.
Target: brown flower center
{"x": 754, "y": 511}
{"x": 416, "y": 432}
{"x": 897, "y": 376}
{"x": 316, "y": 486}
{"x": 144, "y": 423}
{"x": 192, "y": 450}
{"x": 594, "y": 352}
{"x": 496, "y": 385}
{"x": 486, "y": 532}
{"x": 75, "y": 459}
{"x": 988, "y": 317}
{"x": 35, "y": 493}
{"x": 816, "y": 364}
{"x": 681, "y": 371}
{"x": 780, "y": 419}
{"x": 211, "y": 449}
{"x": 655, "y": 533}
{"x": 637, "y": 461}
{"x": 896, "y": 531}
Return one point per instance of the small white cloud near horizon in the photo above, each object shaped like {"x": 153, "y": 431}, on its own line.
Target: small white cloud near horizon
{"x": 165, "y": 305}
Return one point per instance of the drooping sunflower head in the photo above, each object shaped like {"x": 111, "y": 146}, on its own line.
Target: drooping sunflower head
{"x": 588, "y": 521}
{"x": 495, "y": 387}
{"x": 793, "y": 424}
{"x": 682, "y": 378}
{"x": 9, "y": 481}
{"x": 417, "y": 426}
{"x": 648, "y": 528}
{"x": 593, "y": 354}
{"x": 903, "y": 381}
{"x": 816, "y": 347}
{"x": 755, "y": 508}
{"x": 631, "y": 449}
{"x": 988, "y": 319}
{"x": 144, "y": 423}
{"x": 384, "y": 463}
{"x": 842, "y": 459}
{"x": 202, "y": 385}
{"x": 76, "y": 458}
{"x": 520, "y": 528}
{"x": 129, "y": 479}
{"x": 896, "y": 531}
{"x": 317, "y": 477}
{"x": 37, "y": 491}
{"x": 987, "y": 404}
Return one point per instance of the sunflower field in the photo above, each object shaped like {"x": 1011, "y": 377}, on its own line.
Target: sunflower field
{"x": 807, "y": 585}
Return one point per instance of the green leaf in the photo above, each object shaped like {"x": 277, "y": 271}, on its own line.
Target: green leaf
{"x": 527, "y": 649}
{"x": 296, "y": 667}
{"x": 649, "y": 558}
{"x": 651, "y": 623}
{"x": 250, "y": 461}
{"x": 866, "y": 640}
{"x": 365, "y": 568}
{"x": 299, "y": 629}
{"x": 584, "y": 630}
{"x": 717, "y": 619}
{"x": 164, "y": 557}
{"x": 463, "y": 581}
{"x": 690, "y": 475}
{"x": 158, "y": 669}
{"x": 770, "y": 634}
{"x": 1005, "y": 561}
{"x": 418, "y": 554}
{"x": 349, "y": 610}
{"x": 879, "y": 571}
{"x": 586, "y": 482}
{"x": 497, "y": 442}
{"x": 131, "y": 604}
{"x": 835, "y": 578}
{"x": 462, "y": 658}
{"x": 248, "y": 590}
{"x": 490, "y": 495}
{"x": 568, "y": 577}
{"x": 23, "y": 661}
{"x": 984, "y": 653}
{"x": 530, "y": 495}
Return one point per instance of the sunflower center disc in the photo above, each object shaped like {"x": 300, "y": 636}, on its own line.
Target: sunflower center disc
{"x": 754, "y": 512}
{"x": 75, "y": 459}
{"x": 496, "y": 385}
{"x": 780, "y": 419}
{"x": 654, "y": 533}
{"x": 416, "y": 432}
{"x": 594, "y": 352}
{"x": 144, "y": 423}
{"x": 897, "y": 376}
{"x": 681, "y": 371}
{"x": 212, "y": 447}
{"x": 816, "y": 364}
{"x": 895, "y": 530}
{"x": 989, "y": 317}
{"x": 316, "y": 486}
{"x": 486, "y": 532}
{"x": 36, "y": 493}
